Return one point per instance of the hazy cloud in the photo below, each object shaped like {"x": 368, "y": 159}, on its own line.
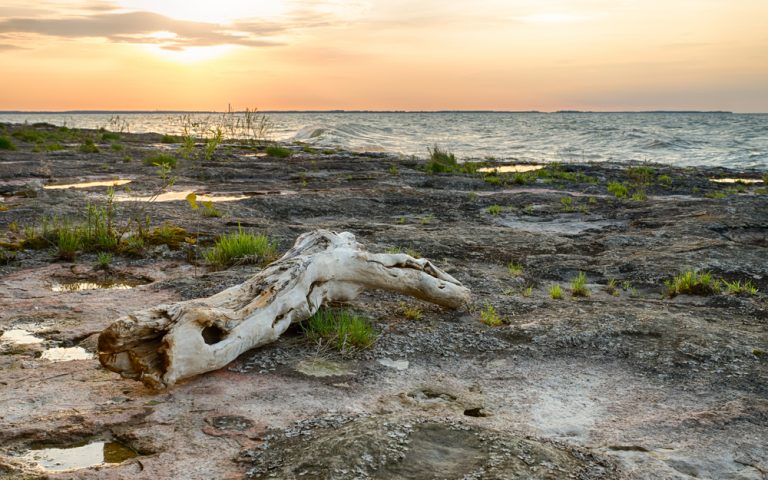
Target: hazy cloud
{"x": 139, "y": 27}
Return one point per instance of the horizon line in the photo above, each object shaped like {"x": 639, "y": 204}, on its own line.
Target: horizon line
{"x": 365, "y": 111}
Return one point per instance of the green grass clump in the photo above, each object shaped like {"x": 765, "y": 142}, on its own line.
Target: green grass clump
{"x": 527, "y": 291}
{"x": 494, "y": 209}
{"x": 278, "y": 151}
{"x": 514, "y": 269}
{"x": 109, "y": 136}
{"x": 716, "y": 195}
{"x": 29, "y": 135}
{"x": 170, "y": 139}
{"x": 103, "y": 260}
{"x": 161, "y": 159}
{"x": 556, "y": 292}
{"x": 639, "y": 196}
{"x": 88, "y": 147}
{"x": 344, "y": 330}
{"x": 241, "y": 247}
{"x": 393, "y": 170}
{"x": 411, "y": 312}
{"x": 692, "y": 283}
{"x": 618, "y": 189}
{"x": 210, "y": 211}
{"x": 6, "y": 144}
{"x": 69, "y": 242}
{"x": 664, "y": 179}
{"x": 567, "y": 204}
{"x": 738, "y": 288}
{"x": 441, "y": 161}
{"x": 612, "y": 288}
{"x": 489, "y": 316}
{"x": 641, "y": 175}
{"x": 579, "y": 286}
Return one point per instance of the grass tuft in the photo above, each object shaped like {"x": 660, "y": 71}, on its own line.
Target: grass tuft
{"x": 578, "y": 286}
{"x": 411, "y": 312}
{"x": 556, "y": 292}
{"x": 738, "y": 288}
{"x": 161, "y": 159}
{"x": 692, "y": 283}
{"x": 344, "y": 330}
{"x": 618, "y": 189}
{"x": 440, "y": 160}
{"x": 494, "y": 209}
{"x": 489, "y": 316}
{"x": 7, "y": 144}
{"x": 88, "y": 147}
{"x": 241, "y": 247}
{"x": 515, "y": 269}
{"x": 278, "y": 151}
{"x": 103, "y": 260}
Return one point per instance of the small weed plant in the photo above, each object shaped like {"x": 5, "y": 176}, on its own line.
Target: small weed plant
{"x": 278, "y": 152}
{"x": 612, "y": 288}
{"x": 556, "y": 292}
{"x": 494, "y": 210}
{"x": 6, "y": 144}
{"x": 411, "y": 312}
{"x": 489, "y": 316}
{"x": 103, "y": 260}
{"x": 515, "y": 269}
{"x": 160, "y": 160}
{"x": 618, "y": 189}
{"x": 441, "y": 161}
{"x": 579, "y": 286}
{"x": 88, "y": 147}
{"x": 736, "y": 287}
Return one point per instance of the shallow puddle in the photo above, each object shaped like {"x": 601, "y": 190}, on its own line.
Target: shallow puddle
{"x": 511, "y": 168}
{"x": 105, "y": 285}
{"x": 66, "y": 354}
{"x": 20, "y": 337}
{"x": 97, "y": 183}
{"x": 79, "y": 456}
{"x": 176, "y": 196}
{"x": 735, "y": 180}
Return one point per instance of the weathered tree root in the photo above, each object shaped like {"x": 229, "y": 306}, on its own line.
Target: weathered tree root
{"x": 167, "y": 343}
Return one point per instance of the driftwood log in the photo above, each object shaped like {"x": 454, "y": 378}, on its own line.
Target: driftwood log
{"x": 164, "y": 344}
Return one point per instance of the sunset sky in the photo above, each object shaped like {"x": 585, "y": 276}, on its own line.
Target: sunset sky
{"x": 384, "y": 54}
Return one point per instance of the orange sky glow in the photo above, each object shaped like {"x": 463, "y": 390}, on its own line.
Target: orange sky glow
{"x": 384, "y": 55}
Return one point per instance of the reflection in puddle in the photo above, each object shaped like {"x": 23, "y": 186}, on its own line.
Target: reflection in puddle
{"x": 59, "y": 354}
{"x": 511, "y": 168}
{"x": 107, "y": 285}
{"x": 20, "y": 337}
{"x": 102, "y": 183}
{"x": 260, "y": 154}
{"x": 735, "y": 180}
{"x": 176, "y": 196}
{"x": 79, "y": 456}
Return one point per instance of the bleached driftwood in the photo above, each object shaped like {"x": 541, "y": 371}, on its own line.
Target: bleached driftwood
{"x": 167, "y": 343}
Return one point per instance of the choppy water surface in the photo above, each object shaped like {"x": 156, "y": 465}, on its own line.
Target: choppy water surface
{"x": 714, "y": 139}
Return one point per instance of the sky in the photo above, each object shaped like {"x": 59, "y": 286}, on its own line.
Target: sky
{"x": 384, "y": 55}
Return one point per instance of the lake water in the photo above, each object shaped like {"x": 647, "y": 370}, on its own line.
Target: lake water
{"x": 685, "y": 139}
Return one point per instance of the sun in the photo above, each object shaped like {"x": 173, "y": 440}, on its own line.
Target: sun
{"x": 218, "y": 11}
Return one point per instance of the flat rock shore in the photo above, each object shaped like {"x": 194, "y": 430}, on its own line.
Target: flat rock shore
{"x": 628, "y": 380}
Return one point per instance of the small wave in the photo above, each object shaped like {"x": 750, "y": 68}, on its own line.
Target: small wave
{"x": 309, "y": 133}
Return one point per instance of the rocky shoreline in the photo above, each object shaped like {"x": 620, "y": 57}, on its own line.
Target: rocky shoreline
{"x": 626, "y": 382}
